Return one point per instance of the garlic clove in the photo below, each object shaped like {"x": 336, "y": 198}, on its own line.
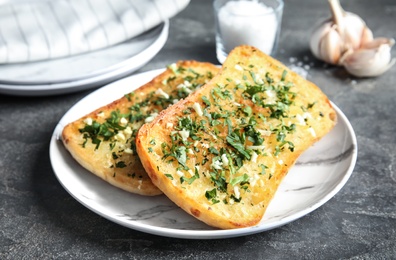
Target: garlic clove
{"x": 354, "y": 30}
{"x": 372, "y": 61}
{"x": 317, "y": 35}
{"x": 367, "y": 36}
{"x": 375, "y": 43}
{"x": 330, "y": 47}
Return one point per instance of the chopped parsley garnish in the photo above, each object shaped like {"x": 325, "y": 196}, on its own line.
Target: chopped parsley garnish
{"x": 212, "y": 195}
{"x": 206, "y": 100}
{"x": 263, "y": 169}
{"x": 237, "y": 140}
{"x": 240, "y": 179}
{"x": 242, "y": 117}
{"x": 120, "y": 164}
{"x": 190, "y": 180}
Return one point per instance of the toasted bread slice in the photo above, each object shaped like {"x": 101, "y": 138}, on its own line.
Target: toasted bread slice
{"x": 104, "y": 141}
{"x": 221, "y": 153}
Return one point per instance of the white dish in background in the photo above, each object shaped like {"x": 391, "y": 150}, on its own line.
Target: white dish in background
{"x": 317, "y": 176}
{"x": 80, "y": 72}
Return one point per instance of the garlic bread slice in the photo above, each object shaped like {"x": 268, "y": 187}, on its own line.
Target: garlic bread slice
{"x": 221, "y": 153}
{"x": 103, "y": 141}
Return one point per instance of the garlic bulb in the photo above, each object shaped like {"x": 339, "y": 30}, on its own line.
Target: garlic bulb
{"x": 339, "y": 34}
{"x": 371, "y": 61}
{"x": 345, "y": 40}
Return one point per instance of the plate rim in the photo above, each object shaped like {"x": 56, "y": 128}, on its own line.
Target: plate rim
{"x": 124, "y": 68}
{"x": 204, "y": 234}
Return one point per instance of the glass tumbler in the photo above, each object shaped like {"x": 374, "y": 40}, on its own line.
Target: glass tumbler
{"x": 251, "y": 22}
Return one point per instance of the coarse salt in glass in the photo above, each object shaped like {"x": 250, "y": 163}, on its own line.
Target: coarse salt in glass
{"x": 255, "y": 23}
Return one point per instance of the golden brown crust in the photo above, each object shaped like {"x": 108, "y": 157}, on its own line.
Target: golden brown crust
{"x": 223, "y": 159}
{"x": 117, "y": 165}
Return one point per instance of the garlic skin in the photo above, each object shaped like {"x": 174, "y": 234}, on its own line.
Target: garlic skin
{"x": 372, "y": 60}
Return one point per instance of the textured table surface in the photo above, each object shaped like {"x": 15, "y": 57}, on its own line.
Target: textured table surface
{"x": 40, "y": 220}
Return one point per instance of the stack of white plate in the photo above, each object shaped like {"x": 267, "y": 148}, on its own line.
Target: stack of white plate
{"x": 80, "y": 72}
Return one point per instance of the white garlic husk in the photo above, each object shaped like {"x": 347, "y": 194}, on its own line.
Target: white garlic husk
{"x": 372, "y": 60}
{"x": 343, "y": 32}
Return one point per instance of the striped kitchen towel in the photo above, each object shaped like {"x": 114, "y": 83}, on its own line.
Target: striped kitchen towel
{"x": 32, "y": 30}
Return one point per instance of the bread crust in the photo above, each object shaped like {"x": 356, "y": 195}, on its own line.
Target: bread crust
{"x": 115, "y": 160}
{"x": 232, "y": 142}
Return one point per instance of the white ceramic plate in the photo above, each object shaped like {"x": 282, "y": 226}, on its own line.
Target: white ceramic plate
{"x": 317, "y": 176}
{"x": 83, "y": 71}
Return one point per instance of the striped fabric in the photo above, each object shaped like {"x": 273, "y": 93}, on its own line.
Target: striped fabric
{"x": 47, "y": 29}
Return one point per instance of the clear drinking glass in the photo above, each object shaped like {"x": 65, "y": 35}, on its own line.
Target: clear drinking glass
{"x": 256, "y": 23}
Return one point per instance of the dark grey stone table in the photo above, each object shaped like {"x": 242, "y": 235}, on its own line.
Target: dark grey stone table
{"x": 40, "y": 220}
